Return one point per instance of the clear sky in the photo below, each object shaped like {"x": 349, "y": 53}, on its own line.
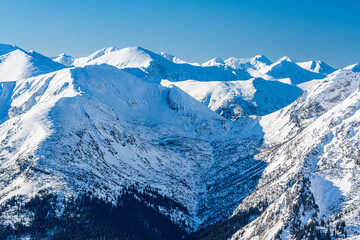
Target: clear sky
{"x": 195, "y": 30}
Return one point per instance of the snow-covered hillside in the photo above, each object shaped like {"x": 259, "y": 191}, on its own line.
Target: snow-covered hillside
{"x": 288, "y": 71}
{"x": 214, "y": 62}
{"x": 233, "y": 99}
{"x": 235, "y": 149}
{"x": 112, "y": 130}
{"x": 16, "y": 63}
{"x": 258, "y": 62}
{"x": 146, "y": 64}
{"x": 317, "y": 66}
{"x": 313, "y": 174}
{"x": 64, "y": 59}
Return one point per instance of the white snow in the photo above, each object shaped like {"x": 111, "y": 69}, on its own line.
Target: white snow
{"x": 95, "y": 127}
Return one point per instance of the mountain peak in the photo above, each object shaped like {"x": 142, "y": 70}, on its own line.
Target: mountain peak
{"x": 317, "y": 67}
{"x": 263, "y": 59}
{"x": 214, "y": 62}
{"x": 6, "y": 48}
{"x": 103, "y": 51}
{"x": 354, "y": 68}
{"x": 171, "y": 58}
{"x": 285, "y": 58}
{"x": 64, "y": 59}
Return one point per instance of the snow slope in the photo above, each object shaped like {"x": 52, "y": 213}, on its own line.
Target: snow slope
{"x": 16, "y": 63}
{"x": 130, "y": 117}
{"x": 314, "y": 174}
{"x": 354, "y": 67}
{"x": 172, "y": 58}
{"x": 317, "y": 67}
{"x": 100, "y": 129}
{"x": 214, "y": 62}
{"x": 233, "y": 99}
{"x": 286, "y": 123}
{"x": 64, "y": 59}
{"x": 6, "y": 48}
{"x": 258, "y": 62}
{"x": 146, "y": 64}
{"x": 286, "y": 70}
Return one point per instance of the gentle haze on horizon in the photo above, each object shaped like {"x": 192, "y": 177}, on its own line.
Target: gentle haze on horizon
{"x": 194, "y": 31}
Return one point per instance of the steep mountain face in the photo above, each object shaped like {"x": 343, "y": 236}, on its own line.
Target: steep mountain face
{"x": 99, "y": 130}
{"x": 314, "y": 175}
{"x": 290, "y": 72}
{"x": 354, "y": 67}
{"x": 179, "y": 150}
{"x": 317, "y": 66}
{"x": 6, "y": 48}
{"x": 16, "y": 63}
{"x": 326, "y": 94}
{"x": 234, "y": 99}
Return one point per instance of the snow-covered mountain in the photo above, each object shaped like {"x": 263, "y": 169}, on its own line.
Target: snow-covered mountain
{"x": 16, "y": 63}
{"x": 214, "y": 62}
{"x": 290, "y": 72}
{"x": 354, "y": 67}
{"x": 314, "y": 174}
{"x": 317, "y": 66}
{"x": 146, "y": 64}
{"x": 233, "y": 99}
{"x": 205, "y": 152}
{"x": 172, "y": 58}
{"x": 256, "y": 62}
{"x": 64, "y": 59}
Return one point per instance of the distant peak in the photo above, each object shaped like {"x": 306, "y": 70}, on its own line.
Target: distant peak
{"x": 64, "y": 55}
{"x": 107, "y": 50}
{"x": 262, "y": 58}
{"x": 286, "y": 58}
{"x": 218, "y": 60}
{"x": 354, "y": 67}
{"x": 166, "y": 54}
{"x": 102, "y": 52}
{"x": 214, "y": 62}
{"x": 259, "y": 57}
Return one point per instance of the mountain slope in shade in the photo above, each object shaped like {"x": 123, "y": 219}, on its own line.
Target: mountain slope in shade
{"x": 185, "y": 147}
{"x": 235, "y": 99}
{"x": 312, "y": 103}
{"x": 98, "y": 129}
{"x": 354, "y": 67}
{"x": 314, "y": 175}
{"x": 288, "y": 71}
{"x": 6, "y": 48}
{"x": 16, "y": 63}
{"x": 146, "y": 64}
{"x": 317, "y": 67}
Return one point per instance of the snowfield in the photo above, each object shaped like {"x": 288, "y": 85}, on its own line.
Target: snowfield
{"x": 220, "y": 139}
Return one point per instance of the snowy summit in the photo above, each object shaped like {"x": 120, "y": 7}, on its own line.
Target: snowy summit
{"x": 131, "y": 143}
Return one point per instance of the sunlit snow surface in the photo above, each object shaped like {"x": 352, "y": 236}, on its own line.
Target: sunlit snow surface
{"x": 217, "y": 139}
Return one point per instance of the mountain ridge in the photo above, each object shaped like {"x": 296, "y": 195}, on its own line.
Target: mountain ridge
{"x": 211, "y": 152}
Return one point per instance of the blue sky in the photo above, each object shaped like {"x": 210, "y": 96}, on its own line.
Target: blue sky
{"x": 192, "y": 30}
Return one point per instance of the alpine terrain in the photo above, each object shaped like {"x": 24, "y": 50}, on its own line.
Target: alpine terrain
{"x": 130, "y": 144}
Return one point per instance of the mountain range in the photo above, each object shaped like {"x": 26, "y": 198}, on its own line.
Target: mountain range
{"x": 130, "y": 144}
